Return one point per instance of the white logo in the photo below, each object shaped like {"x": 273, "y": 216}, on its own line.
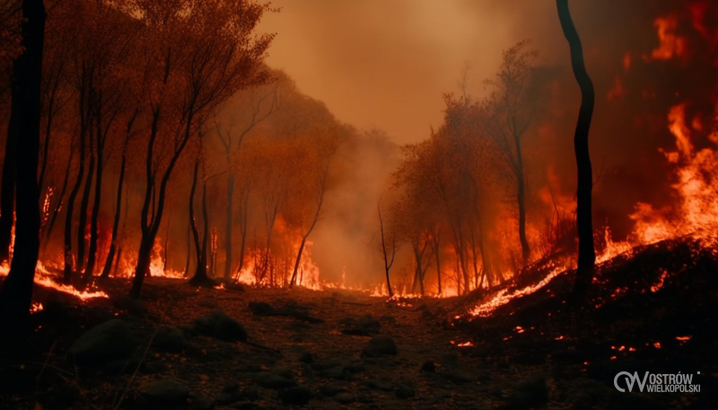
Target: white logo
{"x": 656, "y": 382}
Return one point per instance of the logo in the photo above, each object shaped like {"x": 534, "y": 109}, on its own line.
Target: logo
{"x": 656, "y": 382}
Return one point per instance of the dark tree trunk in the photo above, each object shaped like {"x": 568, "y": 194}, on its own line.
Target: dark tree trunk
{"x": 586, "y": 251}
{"x": 84, "y": 204}
{"x": 165, "y": 248}
{"x": 118, "y": 202}
{"x": 189, "y": 249}
{"x": 228, "y": 230}
{"x": 69, "y": 264}
{"x": 16, "y": 293}
{"x": 521, "y": 196}
{"x": 435, "y": 243}
{"x": 115, "y": 221}
{"x": 150, "y": 226}
{"x": 243, "y": 227}
{"x": 60, "y": 196}
{"x": 200, "y": 276}
{"x": 92, "y": 252}
{"x": 7, "y": 194}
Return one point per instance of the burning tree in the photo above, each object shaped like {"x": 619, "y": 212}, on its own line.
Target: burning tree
{"x": 198, "y": 54}
{"x": 511, "y": 108}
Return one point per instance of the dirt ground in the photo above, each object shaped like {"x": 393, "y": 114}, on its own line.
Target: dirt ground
{"x": 331, "y": 327}
{"x": 239, "y": 347}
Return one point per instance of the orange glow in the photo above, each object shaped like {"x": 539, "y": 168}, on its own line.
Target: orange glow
{"x": 47, "y": 279}
{"x": 671, "y": 45}
{"x": 504, "y": 296}
{"x": 36, "y": 307}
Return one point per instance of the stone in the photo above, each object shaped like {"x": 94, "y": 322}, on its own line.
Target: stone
{"x": 170, "y": 339}
{"x": 273, "y": 380}
{"x": 104, "y": 343}
{"x": 166, "y": 393}
{"x": 380, "y": 384}
{"x": 221, "y": 326}
{"x": 306, "y": 357}
{"x": 404, "y": 391}
{"x": 295, "y": 395}
{"x": 428, "y": 367}
{"x": 344, "y": 398}
{"x": 531, "y": 392}
{"x": 380, "y": 345}
{"x": 250, "y": 393}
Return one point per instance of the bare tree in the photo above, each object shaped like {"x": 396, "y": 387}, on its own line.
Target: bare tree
{"x": 229, "y": 142}
{"x": 16, "y": 292}
{"x": 586, "y": 251}
{"x": 512, "y": 108}
{"x": 389, "y": 247}
{"x": 321, "y": 187}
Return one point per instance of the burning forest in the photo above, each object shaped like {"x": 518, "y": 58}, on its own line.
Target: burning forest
{"x": 358, "y": 204}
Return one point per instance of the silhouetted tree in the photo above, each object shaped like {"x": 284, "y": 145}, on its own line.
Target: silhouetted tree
{"x": 16, "y": 293}
{"x": 512, "y": 109}
{"x": 586, "y": 251}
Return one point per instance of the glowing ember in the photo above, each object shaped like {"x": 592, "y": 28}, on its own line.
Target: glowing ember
{"x": 655, "y": 288}
{"x": 465, "y": 344}
{"x": 683, "y": 339}
{"x": 504, "y": 296}
{"x": 36, "y": 307}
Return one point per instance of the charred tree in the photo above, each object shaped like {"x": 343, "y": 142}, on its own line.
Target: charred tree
{"x": 16, "y": 293}
{"x": 388, "y": 250}
{"x": 118, "y": 200}
{"x": 84, "y": 205}
{"x": 61, "y": 196}
{"x": 200, "y": 277}
{"x": 322, "y": 188}
{"x": 69, "y": 260}
{"x": 7, "y": 192}
{"x": 584, "y": 223}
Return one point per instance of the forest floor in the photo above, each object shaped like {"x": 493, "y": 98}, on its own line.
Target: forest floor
{"x": 183, "y": 347}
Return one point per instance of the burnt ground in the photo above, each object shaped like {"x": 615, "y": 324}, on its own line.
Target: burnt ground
{"x": 333, "y": 349}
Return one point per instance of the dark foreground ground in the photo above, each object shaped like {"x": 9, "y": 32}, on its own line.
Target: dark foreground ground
{"x": 247, "y": 348}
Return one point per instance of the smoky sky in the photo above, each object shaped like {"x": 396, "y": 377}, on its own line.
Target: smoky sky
{"x": 386, "y": 63}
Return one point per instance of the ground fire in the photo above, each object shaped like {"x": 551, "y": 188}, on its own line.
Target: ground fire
{"x": 358, "y": 204}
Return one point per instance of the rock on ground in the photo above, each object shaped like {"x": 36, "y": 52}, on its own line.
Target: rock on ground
{"x": 109, "y": 341}
{"x": 220, "y": 326}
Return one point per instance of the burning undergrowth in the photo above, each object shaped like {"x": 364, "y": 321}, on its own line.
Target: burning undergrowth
{"x": 648, "y": 309}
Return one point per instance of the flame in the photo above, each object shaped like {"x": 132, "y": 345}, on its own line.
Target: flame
{"x": 44, "y": 278}
{"x": 36, "y": 307}
{"x": 504, "y": 296}
{"x": 671, "y": 45}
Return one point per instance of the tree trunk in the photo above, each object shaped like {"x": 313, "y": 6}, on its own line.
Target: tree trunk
{"x": 84, "y": 204}
{"x": 435, "y": 241}
{"x": 521, "y": 196}
{"x": 200, "y": 276}
{"x": 586, "y": 251}
{"x": 7, "y": 194}
{"x": 16, "y": 293}
{"x": 92, "y": 252}
{"x": 116, "y": 220}
{"x": 69, "y": 263}
{"x": 60, "y": 196}
{"x": 143, "y": 264}
{"x": 189, "y": 250}
{"x": 228, "y": 230}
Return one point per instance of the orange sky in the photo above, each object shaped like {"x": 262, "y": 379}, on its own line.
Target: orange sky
{"x": 386, "y": 63}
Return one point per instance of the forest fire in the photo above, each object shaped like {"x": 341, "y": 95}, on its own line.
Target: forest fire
{"x": 49, "y": 280}
{"x": 514, "y": 212}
